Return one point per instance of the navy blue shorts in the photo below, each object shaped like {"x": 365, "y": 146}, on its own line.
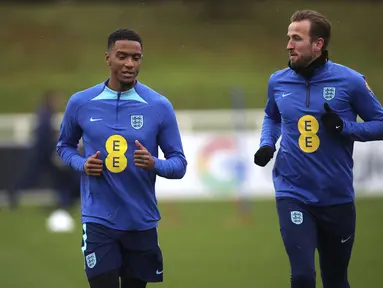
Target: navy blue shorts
{"x": 136, "y": 254}
{"x": 330, "y": 230}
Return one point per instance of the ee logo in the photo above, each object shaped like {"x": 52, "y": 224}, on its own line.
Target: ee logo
{"x": 116, "y": 146}
{"x": 308, "y": 127}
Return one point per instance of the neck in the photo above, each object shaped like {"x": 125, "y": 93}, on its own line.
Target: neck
{"x": 316, "y": 63}
{"x": 313, "y": 59}
{"x": 116, "y": 85}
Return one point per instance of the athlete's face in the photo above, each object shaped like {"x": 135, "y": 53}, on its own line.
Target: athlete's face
{"x": 124, "y": 59}
{"x": 301, "y": 47}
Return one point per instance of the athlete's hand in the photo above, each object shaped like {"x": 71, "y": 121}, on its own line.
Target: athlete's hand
{"x": 331, "y": 121}
{"x": 143, "y": 158}
{"x": 93, "y": 165}
{"x": 263, "y": 155}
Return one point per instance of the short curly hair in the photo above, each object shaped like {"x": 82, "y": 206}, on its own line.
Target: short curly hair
{"x": 123, "y": 34}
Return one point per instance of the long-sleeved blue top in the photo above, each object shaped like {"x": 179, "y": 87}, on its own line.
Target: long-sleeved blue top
{"x": 123, "y": 197}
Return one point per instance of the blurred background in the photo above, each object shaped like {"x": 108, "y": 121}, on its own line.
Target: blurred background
{"x": 212, "y": 59}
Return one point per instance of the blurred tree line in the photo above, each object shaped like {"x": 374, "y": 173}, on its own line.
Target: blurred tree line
{"x": 214, "y": 9}
{"x": 227, "y": 42}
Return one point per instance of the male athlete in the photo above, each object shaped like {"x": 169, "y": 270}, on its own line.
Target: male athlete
{"x": 313, "y": 104}
{"x": 122, "y": 123}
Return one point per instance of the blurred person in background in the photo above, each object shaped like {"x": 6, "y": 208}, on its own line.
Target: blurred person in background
{"x": 122, "y": 123}
{"x": 42, "y": 158}
{"x": 313, "y": 104}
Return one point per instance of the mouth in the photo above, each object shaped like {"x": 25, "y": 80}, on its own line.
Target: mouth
{"x": 128, "y": 73}
{"x": 128, "y": 76}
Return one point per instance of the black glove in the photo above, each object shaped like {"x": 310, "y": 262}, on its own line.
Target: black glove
{"x": 263, "y": 155}
{"x": 331, "y": 121}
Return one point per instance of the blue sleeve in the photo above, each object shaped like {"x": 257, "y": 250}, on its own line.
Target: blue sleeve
{"x": 367, "y": 106}
{"x": 70, "y": 135}
{"x": 271, "y": 127}
{"x": 169, "y": 139}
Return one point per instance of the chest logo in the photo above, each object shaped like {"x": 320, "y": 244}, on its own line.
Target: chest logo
{"x": 329, "y": 93}
{"x": 137, "y": 121}
{"x": 286, "y": 94}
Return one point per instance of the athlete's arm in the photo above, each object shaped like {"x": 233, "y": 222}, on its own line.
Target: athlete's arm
{"x": 169, "y": 138}
{"x": 271, "y": 126}
{"x": 367, "y": 106}
{"x": 70, "y": 135}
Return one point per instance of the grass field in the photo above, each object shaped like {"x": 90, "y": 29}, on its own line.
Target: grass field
{"x": 206, "y": 247}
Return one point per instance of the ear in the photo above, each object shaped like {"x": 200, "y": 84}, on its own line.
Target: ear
{"x": 107, "y": 58}
{"x": 318, "y": 44}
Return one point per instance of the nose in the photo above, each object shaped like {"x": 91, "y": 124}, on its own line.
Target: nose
{"x": 129, "y": 62}
{"x": 290, "y": 45}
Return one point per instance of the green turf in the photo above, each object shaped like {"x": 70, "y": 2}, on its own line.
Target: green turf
{"x": 193, "y": 59}
{"x": 206, "y": 247}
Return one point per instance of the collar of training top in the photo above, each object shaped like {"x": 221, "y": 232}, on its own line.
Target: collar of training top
{"x": 309, "y": 70}
{"x": 106, "y": 82}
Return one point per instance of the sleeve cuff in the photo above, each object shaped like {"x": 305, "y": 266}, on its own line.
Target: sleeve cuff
{"x": 157, "y": 165}
{"x": 268, "y": 143}
{"x": 80, "y": 164}
{"x": 346, "y": 128}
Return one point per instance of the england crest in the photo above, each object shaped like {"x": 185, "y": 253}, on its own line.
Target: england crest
{"x": 91, "y": 260}
{"x": 329, "y": 93}
{"x": 296, "y": 217}
{"x": 137, "y": 121}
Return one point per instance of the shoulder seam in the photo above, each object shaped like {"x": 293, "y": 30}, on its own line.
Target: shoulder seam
{"x": 87, "y": 101}
{"x": 160, "y": 100}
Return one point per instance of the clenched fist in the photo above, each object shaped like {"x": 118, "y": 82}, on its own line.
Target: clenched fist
{"x": 143, "y": 158}
{"x": 93, "y": 165}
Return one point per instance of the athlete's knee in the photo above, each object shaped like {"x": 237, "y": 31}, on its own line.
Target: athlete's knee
{"x": 336, "y": 284}
{"x": 106, "y": 280}
{"x": 335, "y": 280}
{"x": 304, "y": 279}
{"x": 132, "y": 283}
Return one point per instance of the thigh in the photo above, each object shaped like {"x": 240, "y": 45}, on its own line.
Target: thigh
{"x": 299, "y": 234}
{"x": 142, "y": 256}
{"x": 101, "y": 251}
{"x": 335, "y": 242}
{"x": 132, "y": 283}
{"x": 109, "y": 279}
{"x": 144, "y": 265}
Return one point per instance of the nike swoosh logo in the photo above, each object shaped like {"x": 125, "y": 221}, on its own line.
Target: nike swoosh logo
{"x": 159, "y": 272}
{"x": 95, "y": 119}
{"x": 337, "y": 127}
{"x": 345, "y": 240}
{"x": 287, "y": 94}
